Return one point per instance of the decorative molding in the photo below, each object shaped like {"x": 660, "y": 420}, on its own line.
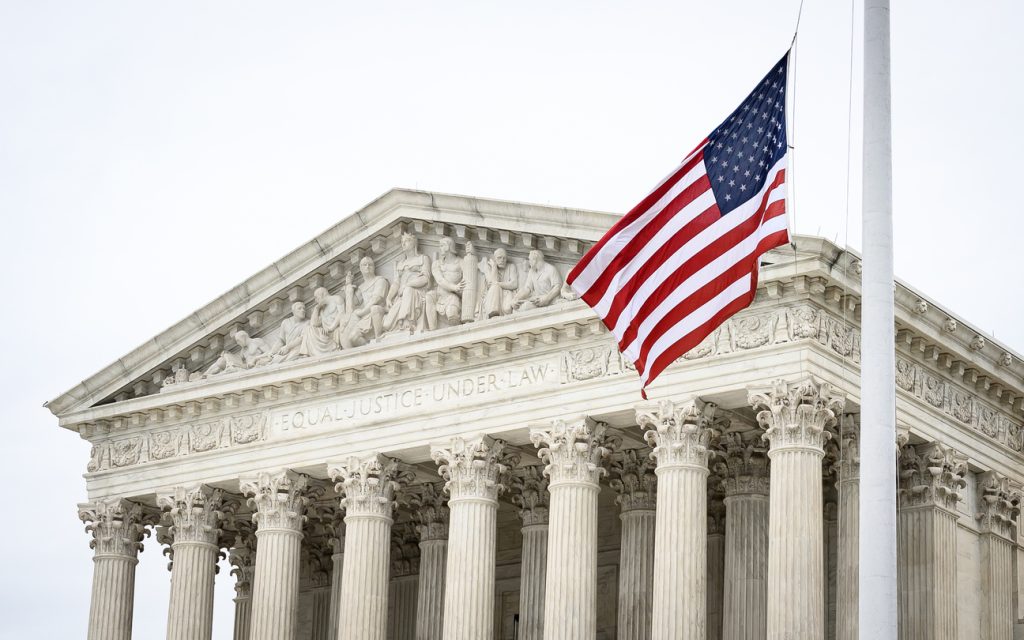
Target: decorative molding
{"x": 474, "y": 467}
{"x": 999, "y": 501}
{"x": 682, "y": 434}
{"x": 574, "y": 451}
{"x": 797, "y": 415}
{"x": 931, "y": 475}
{"x": 117, "y": 526}
{"x": 634, "y": 480}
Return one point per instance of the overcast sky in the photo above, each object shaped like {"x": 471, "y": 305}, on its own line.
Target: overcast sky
{"x": 154, "y": 154}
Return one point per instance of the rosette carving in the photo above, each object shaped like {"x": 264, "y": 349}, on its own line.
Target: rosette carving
{"x": 369, "y": 484}
{"x": 998, "y": 503}
{"x": 634, "y": 480}
{"x": 474, "y": 467}
{"x": 682, "y": 434}
{"x": 574, "y": 451}
{"x": 931, "y": 475}
{"x": 279, "y": 499}
{"x": 117, "y": 526}
{"x": 196, "y": 514}
{"x": 797, "y": 414}
{"x": 430, "y": 508}
{"x": 529, "y": 489}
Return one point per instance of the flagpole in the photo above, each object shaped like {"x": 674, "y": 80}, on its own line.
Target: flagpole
{"x": 877, "y": 616}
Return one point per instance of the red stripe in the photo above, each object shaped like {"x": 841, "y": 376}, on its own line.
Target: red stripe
{"x": 636, "y": 212}
{"x": 697, "y": 262}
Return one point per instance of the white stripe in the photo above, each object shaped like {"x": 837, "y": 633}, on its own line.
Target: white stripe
{"x": 691, "y": 285}
{"x": 696, "y": 244}
{"x": 696, "y": 319}
{"x": 615, "y": 244}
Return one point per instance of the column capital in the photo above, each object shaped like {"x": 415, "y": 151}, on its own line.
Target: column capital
{"x": 430, "y": 508}
{"x": 196, "y": 514}
{"x": 117, "y": 526}
{"x": 405, "y": 550}
{"x": 931, "y": 475}
{"x": 682, "y": 434}
{"x": 573, "y": 451}
{"x": 317, "y": 555}
{"x": 634, "y": 481}
{"x": 847, "y": 464}
{"x": 797, "y": 415}
{"x": 999, "y": 501}
{"x": 529, "y": 493}
{"x": 369, "y": 484}
{"x": 474, "y": 467}
{"x": 716, "y": 505}
{"x": 279, "y": 498}
{"x": 242, "y": 557}
{"x": 745, "y": 467}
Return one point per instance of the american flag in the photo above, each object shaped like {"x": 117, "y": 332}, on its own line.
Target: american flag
{"x": 685, "y": 259}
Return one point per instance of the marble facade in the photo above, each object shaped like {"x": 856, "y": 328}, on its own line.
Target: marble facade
{"x": 409, "y": 428}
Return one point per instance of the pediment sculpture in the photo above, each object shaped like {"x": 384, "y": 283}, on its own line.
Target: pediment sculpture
{"x": 422, "y": 295}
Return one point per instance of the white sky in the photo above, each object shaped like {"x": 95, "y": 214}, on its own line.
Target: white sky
{"x": 154, "y": 154}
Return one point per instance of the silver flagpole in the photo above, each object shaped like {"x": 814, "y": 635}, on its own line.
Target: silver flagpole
{"x": 878, "y": 603}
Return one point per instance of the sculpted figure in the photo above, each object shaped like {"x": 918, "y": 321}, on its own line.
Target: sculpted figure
{"x": 367, "y": 303}
{"x": 326, "y": 324}
{"x": 407, "y": 296}
{"x": 543, "y": 284}
{"x": 254, "y": 352}
{"x": 568, "y": 293}
{"x": 446, "y": 299}
{"x": 471, "y": 276}
{"x": 293, "y": 328}
{"x": 501, "y": 279}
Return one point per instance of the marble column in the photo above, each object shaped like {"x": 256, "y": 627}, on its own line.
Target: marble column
{"x": 530, "y": 495}
{"x": 746, "y": 488}
{"x": 795, "y": 417}
{"x": 318, "y": 558}
{"x": 430, "y": 508}
{"x": 574, "y": 453}
{"x": 473, "y": 469}
{"x": 195, "y": 515}
{"x": 243, "y": 561}
{"x": 716, "y": 559}
{"x": 681, "y": 435}
{"x": 998, "y": 507}
{"x": 337, "y": 567}
{"x": 117, "y": 527}
{"x": 405, "y": 564}
{"x": 636, "y": 485}
{"x": 369, "y": 486}
{"x": 931, "y": 481}
{"x": 830, "y": 553}
{"x": 279, "y": 502}
{"x": 848, "y": 523}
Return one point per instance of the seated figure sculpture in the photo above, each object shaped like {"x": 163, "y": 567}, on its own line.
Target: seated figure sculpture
{"x": 254, "y": 352}
{"x": 367, "y": 318}
{"x": 446, "y": 300}
{"x": 543, "y": 284}
{"x": 290, "y": 336}
{"x": 408, "y": 293}
{"x": 501, "y": 279}
{"x": 327, "y": 323}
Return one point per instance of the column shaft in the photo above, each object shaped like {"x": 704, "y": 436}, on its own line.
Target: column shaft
{"x": 363, "y": 609}
{"x": 997, "y": 588}
{"x": 430, "y": 594}
{"x": 191, "y": 610}
{"x": 533, "y": 582}
{"x": 402, "y": 622}
{"x": 570, "y": 610}
{"x": 338, "y": 564}
{"x": 469, "y": 587}
{"x": 636, "y": 574}
{"x": 746, "y": 567}
{"x": 680, "y": 552}
{"x": 113, "y": 594}
{"x": 847, "y": 562}
{"x": 275, "y": 592}
{"x": 243, "y": 618}
{"x": 927, "y": 574}
{"x": 322, "y": 614}
{"x": 716, "y": 586}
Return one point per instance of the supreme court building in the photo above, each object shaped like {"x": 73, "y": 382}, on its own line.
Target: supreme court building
{"x": 409, "y": 428}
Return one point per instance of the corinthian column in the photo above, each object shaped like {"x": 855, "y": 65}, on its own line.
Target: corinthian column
{"x": 931, "y": 479}
{"x": 716, "y": 558}
{"x": 999, "y": 505}
{"x": 746, "y": 537}
{"x": 430, "y": 508}
{"x": 337, "y": 568}
{"x": 279, "y": 500}
{"x": 318, "y": 556}
{"x": 530, "y": 495}
{"x": 405, "y": 564}
{"x": 243, "y": 559}
{"x": 795, "y": 417}
{"x": 681, "y": 435}
{"x": 635, "y": 483}
{"x": 574, "y": 453}
{"x": 195, "y": 515}
{"x": 848, "y": 552}
{"x": 117, "y": 527}
{"x": 369, "y": 486}
{"x": 473, "y": 469}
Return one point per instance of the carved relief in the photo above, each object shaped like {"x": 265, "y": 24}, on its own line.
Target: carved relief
{"x": 117, "y": 526}
{"x": 529, "y": 493}
{"x": 634, "y": 480}
{"x": 797, "y": 414}
{"x": 196, "y": 514}
{"x": 574, "y": 451}
{"x": 430, "y": 508}
{"x": 999, "y": 501}
{"x": 474, "y": 467}
{"x": 682, "y": 434}
{"x": 931, "y": 475}
{"x": 368, "y": 484}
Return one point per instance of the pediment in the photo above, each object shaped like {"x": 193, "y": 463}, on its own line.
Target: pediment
{"x": 204, "y": 347}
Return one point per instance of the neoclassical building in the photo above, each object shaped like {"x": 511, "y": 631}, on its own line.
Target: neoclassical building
{"x": 408, "y": 428}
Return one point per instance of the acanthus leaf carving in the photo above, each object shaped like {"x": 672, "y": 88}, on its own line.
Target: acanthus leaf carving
{"x": 999, "y": 500}
{"x": 797, "y": 414}
{"x": 574, "y": 451}
{"x": 529, "y": 493}
{"x": 931, "y": 475}
{"x": 369, "y": 485}
{"x": 475, "y": 467}
{"x": 196, "y": 514}
{"x": 117, "y": 526}
{"x": 279, "y": 499}
{"x": 430, "y": 509}
{"x": 634, "y": 480}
